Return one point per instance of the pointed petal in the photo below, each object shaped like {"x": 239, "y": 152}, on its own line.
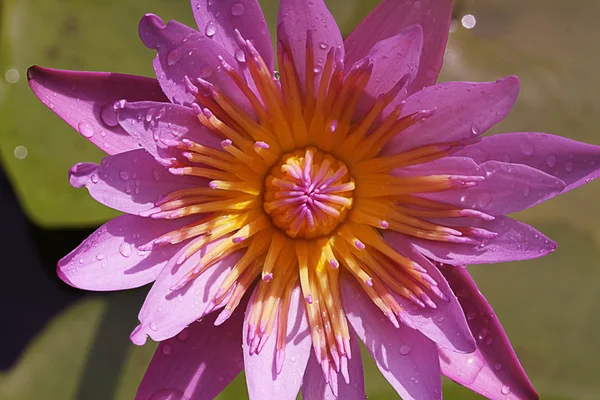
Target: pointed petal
{"x": 515, "y": 241}
{"x": 198, "y": 363}
{"x": 507, "y": 187}
{"x": 85, "y": 101}
{"x": 446, "y": 324}
{"x": 224, "y": 16}
{"x": 406, "y": 358}
{"x": 151, "y": 124}
{"x": 261, "y": 374}
{"x": 493, "y": 370}
{"x": 182, "y": 51}
{"x": 315, "y": 388}
{"x": 165, "y": 311}
{"x": 573, "y": 162}
{"x": 392, "y": 58}
{"x": 111, "y": 259}
{"x": 295, "y": 19}
{"x": 463, "y": 110}
{"x": 130, "y": 182}
{"x": 393, "y": 16}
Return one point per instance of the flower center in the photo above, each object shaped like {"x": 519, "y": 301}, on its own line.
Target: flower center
{"x": 308, "y": 193}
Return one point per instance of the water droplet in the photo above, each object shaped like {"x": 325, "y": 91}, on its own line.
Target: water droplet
{"x": 86, "y": 129}
{"x": 440, "y": 319}
{"x": 551, "y": 161}
{"x": 149, "y": 115}
{"x": 155, "y": 175}
{"x": 405, "y": 349}
{"x": 489, "y": 341}
{"x": 81, "y": 261}
{"x": 323, "y": 45}
{"x": 166, "y": 349}
{"x": 95, "y": 178}
{"x": 293, "y": 359}
{"x": 505, "y": 390}
{"x": 210, "y": 29}
{"x": 317, "y": 69}
{"x": 527, "y": 148}
{"x": 498, "y": 366}
{"x": 475, "y": 129}
{"x": 569, "y": 166}
{"x": 124, "y": 175}
{"x": 184, "y": 334}
{"x": 471, "y": 315}
{"x": 482, "y": 333}
{"x": 99, "y": 256}
{"x": 527, "y": 191}
{"x": 174, "y": 56}
{"x": 238, "y": 9}
{"x": 240, "y": 55}
{"x": 125, "y": 249}
{"x": 205, "y": 71}
{"x": 109, "y": 115}
{"x": 153, "y": 326}
{"x": 484, "y": 200}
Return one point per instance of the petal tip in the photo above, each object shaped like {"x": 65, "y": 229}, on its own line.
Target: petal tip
{"x": 79, "y": 174}
{"x": 148, "y": 26}
{"x": 138, "y": 336}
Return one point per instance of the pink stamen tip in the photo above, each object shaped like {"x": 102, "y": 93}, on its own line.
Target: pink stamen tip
{"x": 193, "y": 89}
{"x": 267, "y": 277}
{"x": 426, "y": 113}
{"x": 279, "y": 359}
{"x": 181, "y": 259}
{"x": 309, "y": 299}
{"x": 213, "y": 185}
{"x": 384, "y": 224}
{"x": 333, "y": 126}
{"x": 176, "y": 171}
{"x": 238, "y": 239}
{"x": 429, "y": 279}
{"x": 196, "y": 109}
{"x": 427, "y": 300}
{"x": 207, "y": 113}
{"x": 334, "y": 264}
{"x": 149, "y": 212}
{"x": 261, "y": 145}
{"x": 163, "y": 240}
{"x": 187, "y": 155}
{"x": 416, "y": 300}
{"x": 119, "y": 105}
{"x": 392, "y": 317}
{"x": 406, "y": 321}
{"x": 226, "y": 143}
{"x": 359, "y": 245}
{"x": 223, "y": 316}
{"x": 369, "y": 282}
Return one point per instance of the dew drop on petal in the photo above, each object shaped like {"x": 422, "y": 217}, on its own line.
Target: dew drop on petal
{"x": 569, "y": 166}
{"x": 405, "y": 349}
{"x": 238, "y": 9}
{"x": 153, "y": 326}
{"x": 527, "y": 148}
{"x": 471, "y": 315}
{"x": 475, "y": 129}
{"x": 527, "y": 191}
{"x": 86, "y": 129}
{"x": 551, "y": 161}
{"x": 211, "y": 29}
{"x": 174, "y": 56}
{"x": 498, "y": 366}
{"x": 99, "y": 256}
{"x": 484, "y": 200}
{"x": 505, "y": 390}
{"x": 155, "y": 175}
{"x": 323, "y": 45}
{"x": 124, "y": 175}
{"x": 240, "y": 56}
{"x": 125, "y": 249}
{"x": 95, "y": 178}
{"x": 166, "y": 349}
{"x": 183, "y": 335}
{"x": 109, "y": 115}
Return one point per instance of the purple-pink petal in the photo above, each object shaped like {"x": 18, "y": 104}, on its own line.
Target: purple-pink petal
{"x": 406, "y": 358}
{"x": 167, "y": 309}
{"x": 184, "y": 52}
{"x": 573, "y": 162}
{"x": 218, "y": 20}
{"x": 446, "y": 324}
{"x": 261, "y": 372}
{"x": 156, "y": 125}
{"x": 493, "y": 370}
{"x": 393, "y": 16}
{"x": 295, "y": 20}
{"x": 349, "y": 383}
{"x": 85, "y": 101}
{"x": 507, "y": 187}
{"x": 463, "y": 110}
{"x": 515, "y": 241}
{"x": 130, "y": 182}
{"x": 392, "y": 59}
{"x": 111, "y": 258}
{"x": 196, "y": 364}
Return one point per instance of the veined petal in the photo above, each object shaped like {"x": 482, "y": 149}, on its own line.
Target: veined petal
{"x": 219, "y": 19}
{"x": 298, "y": 17}
{"x": 111, "y": 258}
{"x": 130, "y": 182}
{"x": 507, "y": 187}
{"x": 446, "y": 324}
{"x": 85, "y": 101}
{"x": 261, "y": 373}
{"x": 315, "y": 388}
{"x": 198, "y": 363}
{"x": 392, "y": 58}
{"x": 184, "y": 52}
{"x": 166, "y": 312}
{"x": 493, "y": 370}
{"x": 573, "y": 162}
{"x": 404, "y": 356}
{"x": 393, "y": 16}
{"x": 515, "y": 241}
{"x": 154, "y": 124}
{"x": 463, "y": 110}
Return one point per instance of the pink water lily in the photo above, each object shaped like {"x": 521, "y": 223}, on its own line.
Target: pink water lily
{"x": 284, "y": 216}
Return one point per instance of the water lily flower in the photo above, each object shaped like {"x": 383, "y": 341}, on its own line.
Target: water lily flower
{"x": 285, "y": 216}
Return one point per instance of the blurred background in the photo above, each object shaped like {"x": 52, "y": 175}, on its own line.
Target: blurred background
{"x": 59, "y": 343}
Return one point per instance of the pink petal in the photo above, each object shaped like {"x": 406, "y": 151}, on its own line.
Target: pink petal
{"x": 406, "y": 358}
{"x": 507, "y": 187}
{"x": 111, "y": 259}
{"x": 197, "y": 364}
{"x": 130, "y": 182}
{"x": 166, "y": 311}
{"x": 392, "y": 58}
{"x": 183, "y": 52}
{"x": 463, "y": 110}
{"x": 85, "y": 101}
{"x": 154, "y": 124}
{"x": 261, "y": 374}
{"x": 573, "y": 162}
{"x": 298, "y": 17}
{"x": 493, "y": 370}
{"x": 515, "y": 241}
{"x": 393, "y": 16}
{"x": 446, "y": 324}
{"x": 315, "y": 388}
{"x": 224, "y": 16}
